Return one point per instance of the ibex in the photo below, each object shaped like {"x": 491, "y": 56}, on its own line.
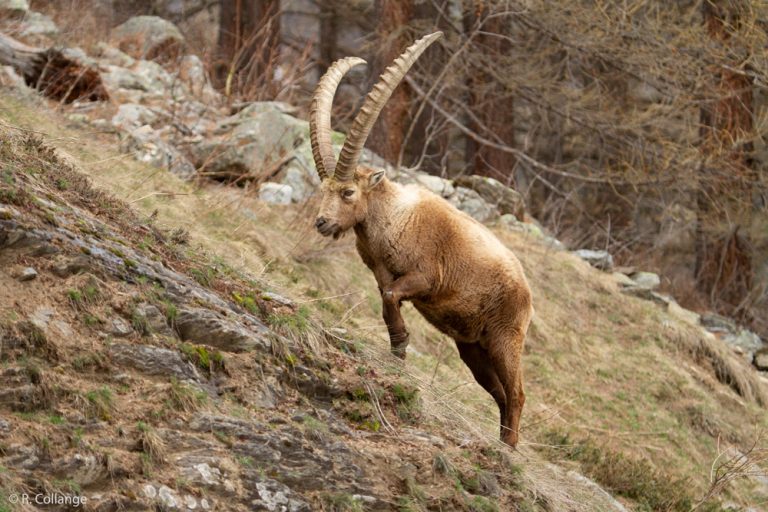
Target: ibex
{"x": 456, "y": 273}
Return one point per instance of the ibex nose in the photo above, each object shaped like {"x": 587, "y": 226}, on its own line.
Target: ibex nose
{"x": 320, "y": 222}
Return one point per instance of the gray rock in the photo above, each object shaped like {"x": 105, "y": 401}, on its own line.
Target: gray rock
{"x": 472, "y": 204}
{"x": 37, "y": 24}
{"x": 148, "y": 37}
{"x": 130, "y": 116}
{"x": 195, "y": 80}
{"x": 510, "y": 222}
{"x": 275, "y": 193}
{"x": 200, "y": 470}
{"x": 599, "y": 259}
{"x": 206, "y": 327}
{"x": 646, "y": 280}
{"x": 110, "y": 55}
{"x": 117, "y": 77}
{"x": 495, "y": 193}
{"x": 5, "y": 426}
{"x": 760, "y": 359}
{"x": 717, "y": 323}
{"x": 278, "y": 299}
{"x": 744, "y": 339}
{"x": 14, "y": 6}
{"x": 120, "y": 328}
{"x": 168, "y": 497}
{"x": 147, "y": 146}
{"x": 153, "y": 318}
{"x": 155, "y": 75}
{"x": 436, "y": 184}
{"x": 81, "y": 469}
{"x": 154, "y": 361}
{"x": 27, "y": 274}
{"x": 272, "y": 496}
{"x": 623, "y": 280}
{"x": 249, "y": 142}
{"x": 295, "y": 178}
{"x": 67, "y": 266}
{"x": 686, "y": 315}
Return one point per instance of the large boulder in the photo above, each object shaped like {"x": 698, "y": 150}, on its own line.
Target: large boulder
{"x": 505, "y": 199}
{"x": 252, "y": 143}
{"x": 148, "y": 37}
{"x": 154, "y": 361}
{"x": 470, "y": 202}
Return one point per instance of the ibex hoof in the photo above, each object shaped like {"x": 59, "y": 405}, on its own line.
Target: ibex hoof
{"x": 399, "y": 350}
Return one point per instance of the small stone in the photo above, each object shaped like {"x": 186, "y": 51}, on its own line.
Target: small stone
{"x": 599, "y": 259}
{"x": 761, "y": 359}
{"x": 276, "y": 193}
{"x": 646, "y": 280}
{"x": 278, "y": 299}
{"x": 27, "y": 274}
{"x": 153, "y": 318}
{"x": 718, "y": 323}
{"x": 167, "y": 497}
{"x": 120, "y": 328}
{"x": 70, "y": 266}
{"x": 5, "y": 426}
{"x": 149, "y": 491}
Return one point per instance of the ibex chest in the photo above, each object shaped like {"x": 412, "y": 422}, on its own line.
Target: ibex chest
{"x": 382, "y": 253}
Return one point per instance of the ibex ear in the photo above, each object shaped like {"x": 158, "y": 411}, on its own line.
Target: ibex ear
{"x": 375, "y": 178}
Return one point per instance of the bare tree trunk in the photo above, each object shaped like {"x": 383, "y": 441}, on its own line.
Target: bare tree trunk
{"x": 51, "y": 72}
{"x": 122, "y": 10}
{"x": 328, "y": 34}
{"x": 724, "y": 256}
{"x": 248, "y": 46}
{"x": 394, "y": 18}
{"x": 489, "y": 101}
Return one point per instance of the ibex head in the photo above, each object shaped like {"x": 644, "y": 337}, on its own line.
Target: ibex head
{"x": 347, "y": 187}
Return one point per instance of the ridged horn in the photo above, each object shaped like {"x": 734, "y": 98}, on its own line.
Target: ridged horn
{"x": 374, "y": 102}
{"x": 320, "y": 115}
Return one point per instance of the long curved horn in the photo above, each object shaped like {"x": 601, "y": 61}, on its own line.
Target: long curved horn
{"x": 374, "y": 102}
{"x": 320, "y": 115}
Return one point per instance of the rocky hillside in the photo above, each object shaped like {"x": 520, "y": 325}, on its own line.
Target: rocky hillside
{"x": 177, "y": 344}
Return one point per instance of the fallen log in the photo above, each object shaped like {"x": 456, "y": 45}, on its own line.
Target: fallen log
{"x": 52, "y": 71}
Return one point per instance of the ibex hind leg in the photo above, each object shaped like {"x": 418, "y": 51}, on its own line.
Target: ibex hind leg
{"x": 479, "y": 362}
{"x": 505, "y": 353}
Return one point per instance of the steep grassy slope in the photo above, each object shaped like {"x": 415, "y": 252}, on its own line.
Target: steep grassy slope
{"x": 618, "y": 389}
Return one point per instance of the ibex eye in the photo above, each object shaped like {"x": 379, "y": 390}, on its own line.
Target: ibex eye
{"x": 348, "y": 193}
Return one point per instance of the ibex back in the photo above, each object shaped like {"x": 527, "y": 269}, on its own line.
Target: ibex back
{"x": 456, "y": 273}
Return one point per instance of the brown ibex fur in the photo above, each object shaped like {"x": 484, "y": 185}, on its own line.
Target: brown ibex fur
{"x": 456, "y": 273}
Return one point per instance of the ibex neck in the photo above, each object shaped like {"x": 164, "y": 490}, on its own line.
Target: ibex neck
{"x": 383, "y": 202}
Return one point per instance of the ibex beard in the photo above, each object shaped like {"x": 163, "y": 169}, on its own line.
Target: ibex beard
{"x": 421, "y": 249}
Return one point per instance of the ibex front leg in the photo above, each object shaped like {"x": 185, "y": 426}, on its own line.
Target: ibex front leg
{"x": 403, "y": 288}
